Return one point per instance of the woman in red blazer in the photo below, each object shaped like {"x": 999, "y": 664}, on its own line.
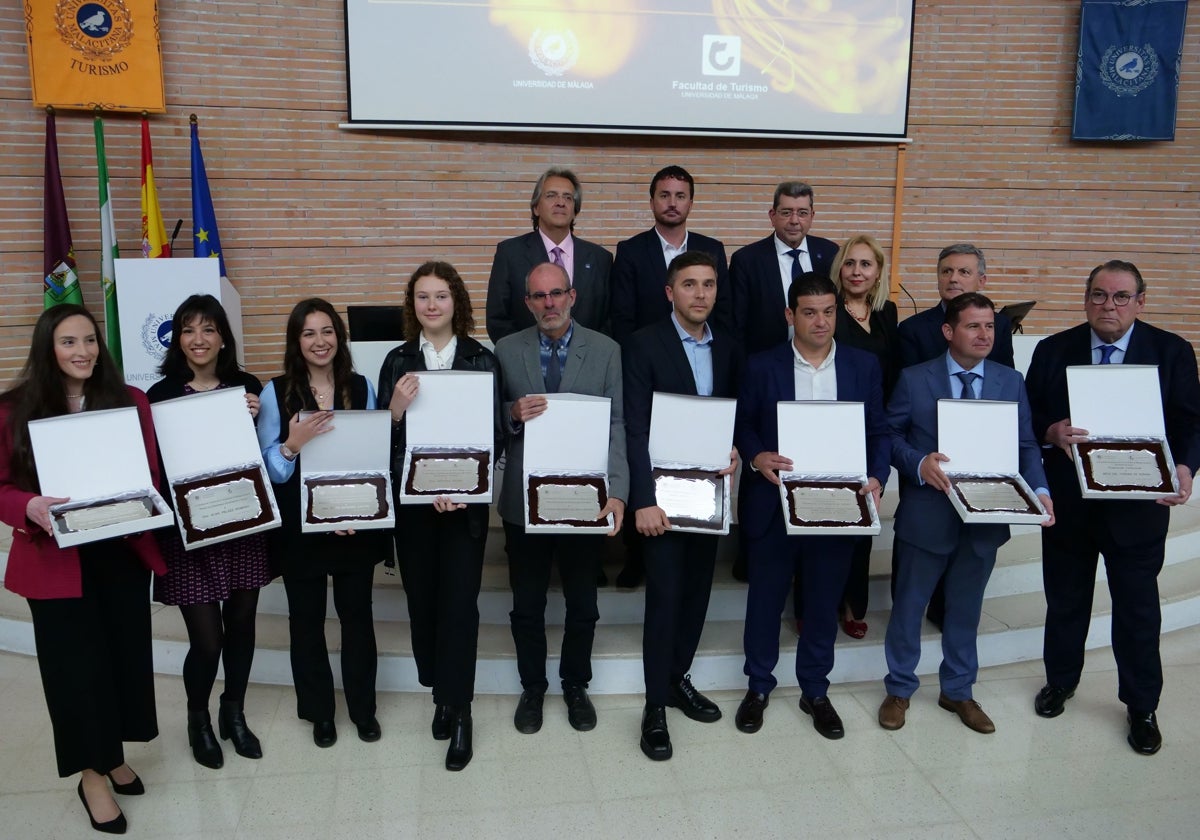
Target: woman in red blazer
{"x": 90, "y": 605}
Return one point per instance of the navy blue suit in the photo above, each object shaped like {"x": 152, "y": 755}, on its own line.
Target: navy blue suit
{"x": 931, "y": 538}
{"x": 639, "y": 279}
{"x": 758, "y": 296}
{"x": 679, "y": 567}
{"x": 921, "y": 338}
{"x": 1131, "y": 534}
{"x": 774, "y": 558}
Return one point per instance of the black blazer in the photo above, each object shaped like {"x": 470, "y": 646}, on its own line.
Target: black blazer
{"x": 654, "y": 360}
{"x": 506, "y": 309}
{"x": 883, "y": 340}
{"x": 758, "y": 297}
{"x": 639, "y": 278}
{"x": 1132, "y": 521}
{"x": 921, "y": 338}
{"x": 170, "y": 387}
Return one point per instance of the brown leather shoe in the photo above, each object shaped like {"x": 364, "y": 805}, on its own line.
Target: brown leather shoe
{"x": 969, "y": 712}
{"x": 891, "y": 711}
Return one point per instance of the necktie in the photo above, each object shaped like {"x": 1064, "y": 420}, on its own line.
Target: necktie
{"x": 967, "y": 378}
{"x": 553, "y": 370}
{"x": 1106, "y": 351}
{"x": 797, "y": 268}
{"x": 556, "y": 256}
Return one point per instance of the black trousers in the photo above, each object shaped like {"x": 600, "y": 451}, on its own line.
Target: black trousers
{"x": 95, "y": 656}
{"x": 679, "y": 574}
{"x": 441, "y": 564}
{"x": 311, "y": 672}
{"x": 529, "y": 559}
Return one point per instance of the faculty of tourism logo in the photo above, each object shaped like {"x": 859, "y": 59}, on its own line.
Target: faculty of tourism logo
{"x": 1128, "y": 70}
{"x": 98, "y": 30}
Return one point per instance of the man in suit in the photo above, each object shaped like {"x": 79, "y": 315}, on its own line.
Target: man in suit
{"x": 555, "y": 355}
{"x": 812, "y": 366}
{"x": 761, "y": 272}
{"x": 679, "y": 354}
{"x": 556, "y": 201}
{"x": 931, "y": 538}
{"x": 1131, "y": 534}
{"x": 639, "y": 272}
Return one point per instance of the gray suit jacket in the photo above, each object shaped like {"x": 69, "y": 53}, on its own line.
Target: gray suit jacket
{"x": 593, "y": 367}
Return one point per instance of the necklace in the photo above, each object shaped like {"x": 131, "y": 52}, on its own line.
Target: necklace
{"x": 320, "y": 396}
{"x": 854, "y": 314}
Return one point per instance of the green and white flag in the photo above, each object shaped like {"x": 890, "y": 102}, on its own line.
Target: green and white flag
{"x": 108, "y": 251}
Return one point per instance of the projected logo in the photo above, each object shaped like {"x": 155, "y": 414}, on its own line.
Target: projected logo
{"x": 722, "y": 55}
{"x": 1128, "y": 70}
{"x": 553, "y": 51}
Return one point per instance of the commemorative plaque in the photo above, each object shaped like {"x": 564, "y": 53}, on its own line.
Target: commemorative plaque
{"x": 449, "y": 438}
{"x": 566, "y": 486}
{"x": 685, "y": 468}
{"x": 345, "y": 477}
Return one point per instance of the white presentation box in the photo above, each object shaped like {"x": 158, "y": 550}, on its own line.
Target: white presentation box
{"x": 1126, "y": 455}
{"x": 982, "y": 440}
{"x": 690, "y": 441}
{"x": 345, "y": 474}
{"x": 97, "y": 459}
{"x": 450, "y": 438}
{"x": 215, "y": 471}
{"x": 826, "y": 442}
{"x": 566, "y": 466}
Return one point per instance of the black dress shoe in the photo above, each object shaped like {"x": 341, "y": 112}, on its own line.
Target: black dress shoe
{"x": 231, "y": 723}
{"x": 656, "y": 740}
{"x": 368, "y": 730}
{"x": 580, "y": 712}
{"x": 324, "y": 733}
{"x": 442, "y": 716}
{"x": 203, "y": 741}
{"x": 117, "y": 825}
{"x": 1051, "y": 700}
{"x": 1144, "y": 736}
{"x": 134, "y": 788}
{"x": 458, "y": 754}
{"x": 692, "y": 703}
{"x": 528, "y": 718}
{"x": 825, "y": 717}
{"x": 749, "y": 717}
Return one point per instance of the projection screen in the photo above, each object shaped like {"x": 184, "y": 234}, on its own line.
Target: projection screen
{"x": 787, "y": 68}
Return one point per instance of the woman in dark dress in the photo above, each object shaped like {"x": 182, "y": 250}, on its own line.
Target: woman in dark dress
{"x": 319, "y": 377}
{"x": 866, "y": 319}
{"x": 215, "y": 587}
{"x": 89, "y": 604}
{"x": 439, "y": 546}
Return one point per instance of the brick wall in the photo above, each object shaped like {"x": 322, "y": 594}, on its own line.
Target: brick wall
{"x": 306, "y": 208}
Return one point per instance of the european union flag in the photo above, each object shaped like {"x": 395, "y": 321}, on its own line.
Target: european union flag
{"x": 1127, "y": 76}
{"x": 205, "y": 240}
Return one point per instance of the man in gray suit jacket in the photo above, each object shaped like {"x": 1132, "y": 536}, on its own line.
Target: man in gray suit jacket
{"x": 555, "y": 355}
{"x": 556, "y": 201}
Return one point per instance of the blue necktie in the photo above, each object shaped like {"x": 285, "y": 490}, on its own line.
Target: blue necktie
{"x": 967, "y": 378}
{"x": 1106, "y": 351}
{"x": 553, "y": 370}
{"x": 797, "y": 268}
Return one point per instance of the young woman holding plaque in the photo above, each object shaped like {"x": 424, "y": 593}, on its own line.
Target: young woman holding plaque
{"x": 215, "y": 587}
{"x": 89, "y": 604}
{"x": 439, "y": 546}
{"x": 318, "y": 377}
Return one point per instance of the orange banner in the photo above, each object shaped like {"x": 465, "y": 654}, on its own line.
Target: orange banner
{"x": 84, "y": 53}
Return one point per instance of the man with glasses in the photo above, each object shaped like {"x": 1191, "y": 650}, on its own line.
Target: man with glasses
{"x": 556, "y": 201}
{"x": 555, "y": 355}
{"x": 1131, "y": 534}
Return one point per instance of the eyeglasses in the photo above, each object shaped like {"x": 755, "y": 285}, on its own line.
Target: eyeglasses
{"x": 789, "y": 212}
{"x": 1099, "y": 297}
{"x": 554, "y": 294}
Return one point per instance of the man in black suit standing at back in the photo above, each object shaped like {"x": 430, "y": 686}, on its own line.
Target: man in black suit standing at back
{"x": 762, "y": 272}
{"x": 682, "y": 353}
{"x": 556, "y": 201}
{"x": 1131, "y": 534}
{"x": 639, "y": 272}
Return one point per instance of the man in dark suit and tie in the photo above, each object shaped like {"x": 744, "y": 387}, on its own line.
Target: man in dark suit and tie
{"x": 639, "y": 272}
{"x": 556, "y": 201}
{"x": 682, "y": 353}
{"x": 1131, "y": 534}
{"x": 931, "y": 538}
{"x": 812, "y": 366}
{"x": 555, "y": 355}
{"x": 761, "y": 272}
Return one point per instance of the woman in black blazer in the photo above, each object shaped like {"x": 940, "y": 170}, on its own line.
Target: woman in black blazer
{"x": 439, "y": 546}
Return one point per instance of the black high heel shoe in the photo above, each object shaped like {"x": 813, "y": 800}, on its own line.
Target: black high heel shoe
{"x": 231, "y": 723}
{"x": 443, "y": 717}
{"x": 134, "y": 788}
{"x": 203, "y": 741}
{"x": 117, "y": 825}
{"x": 459, "y": 753}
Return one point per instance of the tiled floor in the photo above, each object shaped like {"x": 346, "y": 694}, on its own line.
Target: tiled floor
{"x": 1069, "y": 777}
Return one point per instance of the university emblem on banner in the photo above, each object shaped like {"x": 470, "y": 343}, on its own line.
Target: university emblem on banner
{"x": 1128, "y": 70}
{"x": 97, "y": 30}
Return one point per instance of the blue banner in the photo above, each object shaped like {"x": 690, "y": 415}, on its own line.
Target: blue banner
{"x": 1127, "y": 76}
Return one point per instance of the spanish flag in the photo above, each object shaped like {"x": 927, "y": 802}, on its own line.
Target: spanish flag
{"x": 154, "y": 235}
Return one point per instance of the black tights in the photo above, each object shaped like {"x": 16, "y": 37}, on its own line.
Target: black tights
{"x": 219, "y": 632}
